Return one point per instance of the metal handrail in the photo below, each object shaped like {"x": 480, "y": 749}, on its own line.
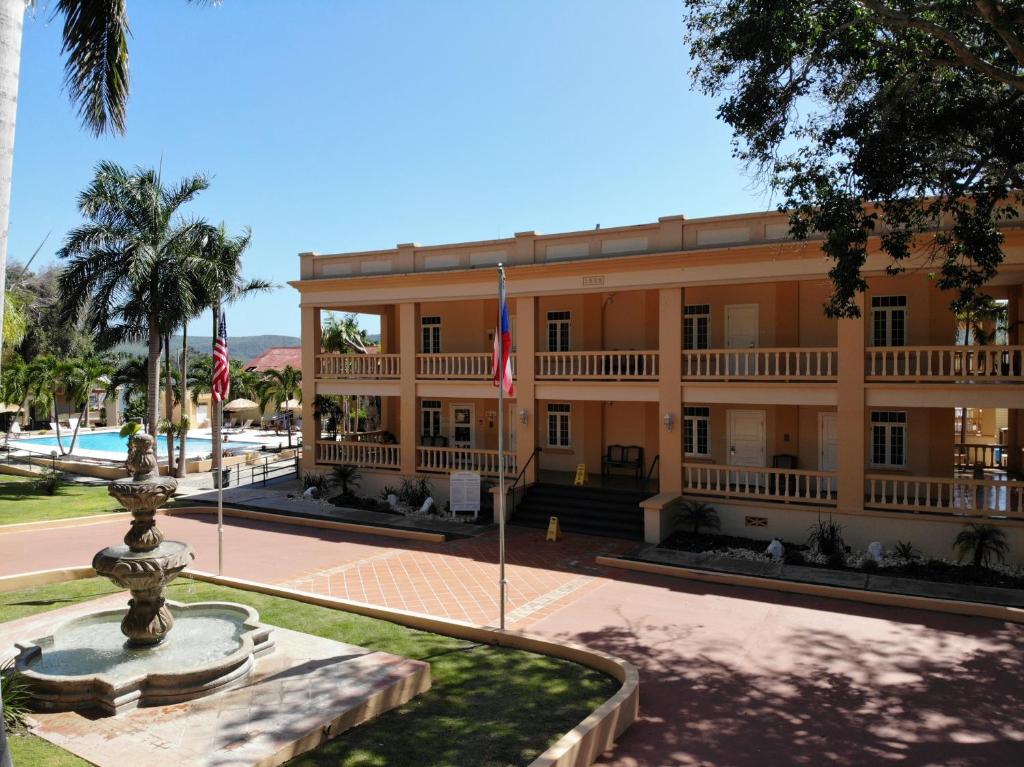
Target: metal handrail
{"x": 651, "y": 471}
{"x": 521, "y": 473}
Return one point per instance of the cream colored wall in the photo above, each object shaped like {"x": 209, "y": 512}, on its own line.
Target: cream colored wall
{"x": 930, "y": 441}
{"x": 929, "y": 321}
{"x": 587, "y": 427}
{"x": 464, "y": 324}
{"x": 816, "y": 330}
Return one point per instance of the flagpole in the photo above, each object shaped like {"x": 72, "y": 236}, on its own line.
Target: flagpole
{"x": 218, "y": 452}
{"x": 501, "y": 447}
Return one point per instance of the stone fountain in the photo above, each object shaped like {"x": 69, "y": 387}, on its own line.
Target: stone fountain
{"x": 145, "y": 563}
{"x": 86, "y": 663}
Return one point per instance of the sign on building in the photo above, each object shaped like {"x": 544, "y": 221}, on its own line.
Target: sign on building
{"x": 464, "y": 492}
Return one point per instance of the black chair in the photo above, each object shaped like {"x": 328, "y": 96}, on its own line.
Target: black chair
{"x": 623, "y": 456}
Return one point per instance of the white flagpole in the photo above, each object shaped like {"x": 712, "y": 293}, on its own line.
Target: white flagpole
{"x": 499, "y": 344}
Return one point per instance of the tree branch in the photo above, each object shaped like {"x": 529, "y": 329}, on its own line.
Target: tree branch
{"x": 895, "y": 19}
{"x": 996, "y": 19}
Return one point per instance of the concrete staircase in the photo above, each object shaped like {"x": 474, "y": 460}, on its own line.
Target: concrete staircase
{"x": 610, "y": 512}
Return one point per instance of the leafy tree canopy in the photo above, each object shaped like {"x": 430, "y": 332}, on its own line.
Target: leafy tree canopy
{"x": 884, "y": 118}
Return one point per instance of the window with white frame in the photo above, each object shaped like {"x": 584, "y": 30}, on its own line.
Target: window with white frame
{"x": 695, "y": 430}
{"x": 558, "y": 331}
{"x": 559, "y": 433}
{"x": 430, "y": 328}
{"x": 889, "y": 320}
{"x": 696, "y": 324}
{"x": 430, "y": 418}
{"x": 888, "y": 438}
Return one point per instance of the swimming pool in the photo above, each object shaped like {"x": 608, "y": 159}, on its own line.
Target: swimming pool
{"x": 112, "y": 442}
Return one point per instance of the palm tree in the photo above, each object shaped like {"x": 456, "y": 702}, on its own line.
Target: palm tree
{"x": 696, "y": 515}
{"x": 135, "y": 262}
{"x": 131, "y": 376}
{"x": 43, "y": 376}
{"x": 280, "y": 386}
{"x": 14, "y": 385}
{"x": 983, "y": 543}
{"x": 343, "y": 336}
{"x": 77, "y": 379}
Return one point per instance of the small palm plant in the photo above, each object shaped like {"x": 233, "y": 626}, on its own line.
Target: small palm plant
{"x": 904, "y": 550}
{"x": 348, "y": 476}
{"x": 697, "y": 515}
{"x": 983, "y": 543}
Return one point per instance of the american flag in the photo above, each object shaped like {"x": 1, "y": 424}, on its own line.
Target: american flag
{"x": 503, "y": 342}
{"x": 221, "y": 377}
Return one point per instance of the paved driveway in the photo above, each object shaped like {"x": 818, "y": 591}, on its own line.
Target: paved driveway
{"x": 729, "y": 676}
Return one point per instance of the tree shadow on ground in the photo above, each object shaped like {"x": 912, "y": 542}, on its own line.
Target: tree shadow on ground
{"x": 903, "y": 697}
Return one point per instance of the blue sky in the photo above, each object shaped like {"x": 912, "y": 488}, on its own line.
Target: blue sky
{"x": 338, "y": 125}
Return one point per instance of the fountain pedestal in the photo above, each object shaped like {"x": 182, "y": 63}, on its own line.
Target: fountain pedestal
{"x": 146, "y": 563}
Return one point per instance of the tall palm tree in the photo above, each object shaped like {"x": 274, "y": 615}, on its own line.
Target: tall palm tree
{"x": 131, "y": 376}
{"x": 135, "y": 262}
{"x": 222, "y": 277}
{"x": 77, "y": 379}
{"x": 280, "y": 386}
{"x": 43, "y": 384}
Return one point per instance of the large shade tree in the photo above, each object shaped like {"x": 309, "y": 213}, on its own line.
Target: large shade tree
{"x": 885, "y": 117}
{"x": 135, "y": 263}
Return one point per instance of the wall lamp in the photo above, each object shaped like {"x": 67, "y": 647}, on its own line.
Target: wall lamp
{"x": 524, "y": 416}
{"x": 669, "y": 421}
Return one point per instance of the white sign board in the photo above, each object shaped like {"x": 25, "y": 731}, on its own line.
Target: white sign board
{"x": 464, "y": 491}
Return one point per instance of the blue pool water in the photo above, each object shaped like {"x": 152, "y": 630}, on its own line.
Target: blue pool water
{"x": 112, "y": 442}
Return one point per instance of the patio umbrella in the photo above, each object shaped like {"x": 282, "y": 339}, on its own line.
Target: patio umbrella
{"x": 241, "y": 404}
{"x": 290, "y": 404}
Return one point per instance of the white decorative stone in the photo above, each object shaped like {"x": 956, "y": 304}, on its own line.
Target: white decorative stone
{"x": 775, "y": 549}
{"x": 875, "y": 551}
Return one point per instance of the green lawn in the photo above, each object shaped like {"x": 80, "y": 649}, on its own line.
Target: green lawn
{"x": 488, "y": 707}
{"x": 19, "y": 501}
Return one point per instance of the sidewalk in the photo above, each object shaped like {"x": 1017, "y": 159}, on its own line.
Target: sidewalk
{"x": 850, "y": 579}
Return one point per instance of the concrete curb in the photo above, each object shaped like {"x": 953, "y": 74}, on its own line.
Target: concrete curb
{"x": 323, "y": 524}
{"x": 580, "y": 747}
{"x": 46, "y": 524}
{"x": 888, "y": 599}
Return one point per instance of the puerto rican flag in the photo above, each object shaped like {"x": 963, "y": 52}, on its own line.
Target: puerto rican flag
{"x": 503, "y": 342}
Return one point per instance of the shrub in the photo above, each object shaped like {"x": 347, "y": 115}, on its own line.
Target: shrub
{"x": 904, "y": 550}
{"x": 16, "y": 696}
{"x": 794, "y": 557}
{"x": 696, "y": 514}
{"x": 48, "y": 483}
{"x": 388, "y": 490}
{"x": 319, "y": 481}
{"x": 836, "y": 560}
{"x": 984, "y": 543}
{"x": 414, "y": 492}
{"x": 826, "y": 537}
{"x": 348, "y": 476}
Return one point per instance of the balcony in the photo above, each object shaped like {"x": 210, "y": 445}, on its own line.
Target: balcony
{"x": 956, "y": 496}
{"x": 475, "y": 366}
{"x": 767, "y": 484}
{"x": 597, "y": 366}
{"x": 370, "y": 455}
{"x": 443, "y": 460}
{"x": 357, "y": 366}
{"x": 945, "y": 364}
{"x": 760, "y": 364}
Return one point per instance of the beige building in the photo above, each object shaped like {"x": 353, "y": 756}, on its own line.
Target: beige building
{"x": 695, "y": 354}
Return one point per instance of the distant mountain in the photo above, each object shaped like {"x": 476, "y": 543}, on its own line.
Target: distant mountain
{"x": 241, "y": 347}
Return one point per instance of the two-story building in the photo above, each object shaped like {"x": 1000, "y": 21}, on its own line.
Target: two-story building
{"x": 682, "y": 358}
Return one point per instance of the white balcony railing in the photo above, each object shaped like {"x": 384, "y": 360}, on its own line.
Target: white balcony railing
{"x": 448, "y": 459}
{"x": 994, "y": 364}
{"x": 372, "y": 455}
{"x": 760, "y": 364}
{"x": 363, "y": 366}
{"x": 938, "y": 495}
{"x": 970, "y": 455}
{"x": 474, "y": 366}
{"x": 598, "y": 366}
{"x": 785, "y": 485}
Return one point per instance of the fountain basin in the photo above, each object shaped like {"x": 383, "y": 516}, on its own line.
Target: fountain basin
{"x": 87, "y": 664}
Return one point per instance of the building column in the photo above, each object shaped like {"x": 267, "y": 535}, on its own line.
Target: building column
{"x": 670, "y": 346}
{"x": 526, "y": 388}
{"x": 850, "y": 408}
{"x": 407, "y": 386}
{"x": 310, "y": 349}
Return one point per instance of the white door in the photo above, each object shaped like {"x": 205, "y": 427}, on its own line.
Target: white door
{"x": 741, "y": 333}
{"x": 746, "y": 447}
{"x": 462, "y": 426}
{"x": 828, "y": 441}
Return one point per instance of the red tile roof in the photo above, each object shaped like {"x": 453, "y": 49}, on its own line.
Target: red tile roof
{"x": 275, "y": 358}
